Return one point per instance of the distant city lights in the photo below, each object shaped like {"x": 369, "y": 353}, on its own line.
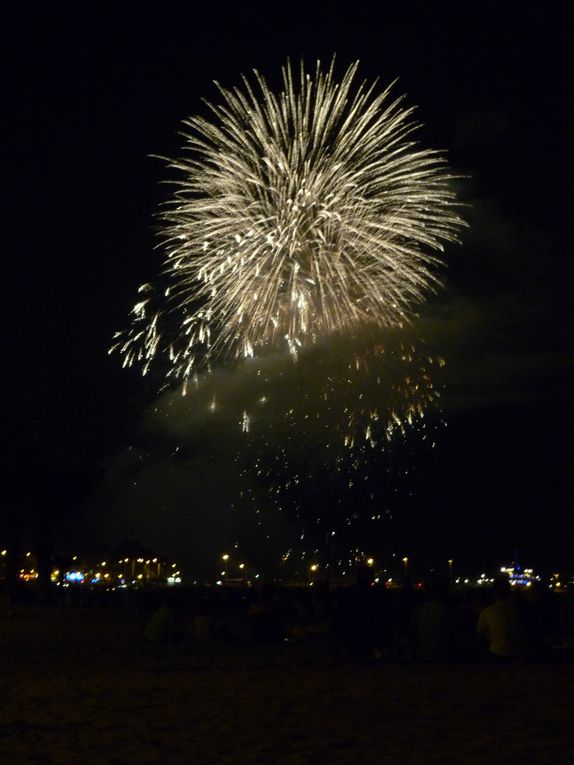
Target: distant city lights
{"x": 139, "y": 571}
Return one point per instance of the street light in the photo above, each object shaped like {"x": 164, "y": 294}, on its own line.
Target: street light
{"x": 406, "y": 564}
{"x": 225, "y": 558}
{"x": 370, "y": 561}
{"x": 450, "y": 562}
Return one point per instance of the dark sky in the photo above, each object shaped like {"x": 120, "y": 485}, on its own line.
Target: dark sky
{"x": 89, "y": 95}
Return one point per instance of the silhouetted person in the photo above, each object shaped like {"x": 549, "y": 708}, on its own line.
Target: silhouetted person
{"x": 564, "y": 638}
{"x": 361, "y": 622}
{"x": 321, "y": 601}
{"x": 469, "y": 644}
{"x": 433, "y": 625}
{"x": 202, "y": 625}
{"x": 501, "y": 625}
{"x": 311, "y": 612}
{"x": 539, "y": 619}
{"x": 160, "y": 627}
{"x": 264, "y": 617}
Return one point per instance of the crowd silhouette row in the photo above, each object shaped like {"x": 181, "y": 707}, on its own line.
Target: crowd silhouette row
{"x": 371, "y": 623}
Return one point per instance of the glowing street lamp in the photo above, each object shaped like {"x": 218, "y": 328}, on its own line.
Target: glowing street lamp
{"x": 406, "y": 565}
{"x": 450, "y": 562}
{"x": 225, "y": 558}
{"x": 370, "y": 561}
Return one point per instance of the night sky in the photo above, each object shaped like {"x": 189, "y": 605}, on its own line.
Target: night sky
{"x": 90, "y": 95}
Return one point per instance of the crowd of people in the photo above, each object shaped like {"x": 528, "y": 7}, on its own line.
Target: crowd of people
{"x": 368, "y": 622}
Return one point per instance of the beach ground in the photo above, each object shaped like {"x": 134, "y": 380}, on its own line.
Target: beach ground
{"x": 84, "y": 687}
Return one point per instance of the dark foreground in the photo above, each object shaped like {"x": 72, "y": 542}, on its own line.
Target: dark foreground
{"x": 83, "y": 686}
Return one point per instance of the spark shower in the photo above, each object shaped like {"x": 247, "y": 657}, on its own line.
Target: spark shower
{"x": 305, "y": 229}
{"x": 296, "y": 216}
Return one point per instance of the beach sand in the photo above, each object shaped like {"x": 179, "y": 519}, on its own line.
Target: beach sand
{"x": 84, "y": 687}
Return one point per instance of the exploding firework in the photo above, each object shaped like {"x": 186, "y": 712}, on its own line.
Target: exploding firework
{"x": 297, "y": 215}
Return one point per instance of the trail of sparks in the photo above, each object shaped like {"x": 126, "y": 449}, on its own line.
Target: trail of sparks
{"x": 326, "y": 441}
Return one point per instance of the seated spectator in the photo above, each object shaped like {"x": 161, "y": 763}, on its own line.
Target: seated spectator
{"x": 160, "y": 627}
{"x": 433, "y": 625}
{"x": 361, "y": 622}
{"x": 539, "y": 619}
{"x": 264, "y": 617}
{"x": 501, "y": 626}
{"x": 202, "y": 627}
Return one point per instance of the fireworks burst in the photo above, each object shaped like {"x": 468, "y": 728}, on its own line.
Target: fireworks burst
{"x": 306, "y": 224}
{"x": 297, "y": 215}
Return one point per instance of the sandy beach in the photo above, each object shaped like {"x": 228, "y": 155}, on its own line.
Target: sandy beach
{"x": 83, "y": 686}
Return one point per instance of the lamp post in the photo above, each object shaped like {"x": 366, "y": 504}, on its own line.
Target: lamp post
{"x": 450, "y": 562}
{"x": 225, "y": 558}
{"x": 406, "y": 565}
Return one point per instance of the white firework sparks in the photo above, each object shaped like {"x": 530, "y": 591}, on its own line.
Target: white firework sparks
{"x": 297, "y": 215}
